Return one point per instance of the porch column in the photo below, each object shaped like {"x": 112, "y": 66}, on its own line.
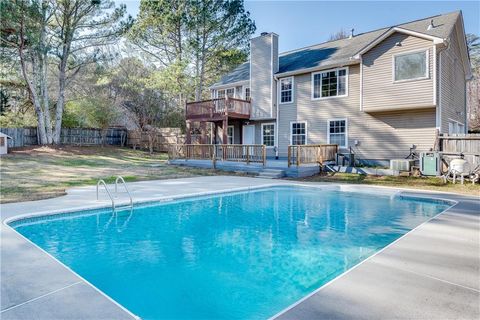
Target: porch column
{"x": 188, "y": 139}
{"x": 203, "y": 131}
{"x": 225, "y": 128}
{"x": 215, "y": 133}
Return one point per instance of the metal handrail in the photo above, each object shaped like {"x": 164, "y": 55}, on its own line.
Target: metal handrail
{"x": 108, "y": 192}
{"x": 126, "y": 189}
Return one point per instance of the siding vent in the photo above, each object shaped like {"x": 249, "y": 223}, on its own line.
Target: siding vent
{"x": 351, "y": 34}
{"x": 430, "y": 26}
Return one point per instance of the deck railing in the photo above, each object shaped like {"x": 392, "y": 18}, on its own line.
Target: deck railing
{"x": 220, "y": 152}
{"x": 304, "y": 154}
{"x": 217, "y": 108}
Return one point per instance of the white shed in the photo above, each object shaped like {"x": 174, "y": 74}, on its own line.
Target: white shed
{"x": 3, "y": 143}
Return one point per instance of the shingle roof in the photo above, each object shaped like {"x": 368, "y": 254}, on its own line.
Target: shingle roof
{"x": 341, "y": 51}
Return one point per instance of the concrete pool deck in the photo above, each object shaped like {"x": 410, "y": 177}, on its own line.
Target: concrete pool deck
{"x": 431, "y": 272}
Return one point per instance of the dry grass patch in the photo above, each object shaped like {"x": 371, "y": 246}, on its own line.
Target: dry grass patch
{"x": 44, "y": 172}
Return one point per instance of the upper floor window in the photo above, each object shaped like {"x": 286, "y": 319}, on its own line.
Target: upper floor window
{"x": 286, "y": 90}
{"x": 298, "y": 133}
{"x": 268, "y": 134}
{"x": 231, "y": 92}
{"x": 221, "y": 94}
{"x": 247, "y": 94}
{"x": 329, "y": 83}
{"x": 411, "y": 66}
{"x": 337, "y": 132}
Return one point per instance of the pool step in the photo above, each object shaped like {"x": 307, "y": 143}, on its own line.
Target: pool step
{"x": 271, "y": 174}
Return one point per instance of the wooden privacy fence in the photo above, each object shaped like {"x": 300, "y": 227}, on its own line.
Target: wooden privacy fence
{"x": 220, "y": 152}
{"x": 72, "y": 136}
{"x": 85, "y": 137}
{"x": 452, "y": 145}
{"x": 21, "y": 136}
{"x": 304, "y": 154}
{"x": 163, "y": 139}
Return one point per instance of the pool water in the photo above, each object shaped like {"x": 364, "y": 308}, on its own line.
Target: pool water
{"x": 239, "y": 255}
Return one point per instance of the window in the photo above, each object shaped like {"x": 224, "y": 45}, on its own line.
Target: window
{"x": 455, "y": 127}
{"x": 230, "y": 134}
{"x": 2, "y": 141}
{"x": 298, "y": 133}
{"x": 337, "y": 132}
{"x": 247, "y": 94}
{"x": 221, "y": 94}
{"x": 268, "y": 134}
{"x": 231, "y": 92}
{"x": 286, "y": 90}
{"x": 330, "y": 83}
{"x": 411, "y": 66}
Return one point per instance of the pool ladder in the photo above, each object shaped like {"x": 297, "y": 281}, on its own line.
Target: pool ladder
{"x": 112, "y": 198}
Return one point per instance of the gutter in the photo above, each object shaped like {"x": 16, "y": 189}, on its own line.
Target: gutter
{"x": 344, "y": 63}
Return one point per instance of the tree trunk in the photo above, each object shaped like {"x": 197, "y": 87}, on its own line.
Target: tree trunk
{"x": 43, "y": 57}
{"x": 62, "y": 79}
{"x": 32, "y": 90}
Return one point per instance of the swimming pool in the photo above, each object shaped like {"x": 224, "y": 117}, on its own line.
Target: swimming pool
{"x": 237, "y": 255}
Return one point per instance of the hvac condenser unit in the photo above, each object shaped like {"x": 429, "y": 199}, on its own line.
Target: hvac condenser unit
{"x": 401, "y": 164}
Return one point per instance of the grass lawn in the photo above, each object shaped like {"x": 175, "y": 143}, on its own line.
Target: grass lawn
{"x": 425, "y": 183}
{"x": 43, "y": 172}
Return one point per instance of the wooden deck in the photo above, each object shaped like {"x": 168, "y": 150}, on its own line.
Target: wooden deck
{"x": 217, "y": 109}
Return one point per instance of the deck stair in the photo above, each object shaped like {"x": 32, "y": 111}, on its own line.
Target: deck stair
{"x": 271, "y": 174}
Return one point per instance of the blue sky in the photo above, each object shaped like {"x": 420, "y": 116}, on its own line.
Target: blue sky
{"x": 303, "y": 23}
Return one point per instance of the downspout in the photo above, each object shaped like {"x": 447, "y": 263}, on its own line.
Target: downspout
{"x": 439, "y": 84}
{"x": 276, "y": 120}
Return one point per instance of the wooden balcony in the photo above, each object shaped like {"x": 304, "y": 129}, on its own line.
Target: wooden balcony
{"x": 218, "y": 109}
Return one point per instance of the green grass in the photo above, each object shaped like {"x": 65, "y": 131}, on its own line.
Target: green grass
{"x": 38, "y": 173}
{"x": 425, "y": 183}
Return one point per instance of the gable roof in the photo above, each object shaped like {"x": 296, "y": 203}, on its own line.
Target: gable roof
{"x": 343, "y": 51}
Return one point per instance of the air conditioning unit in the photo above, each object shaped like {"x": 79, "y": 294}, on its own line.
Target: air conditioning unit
{"x": 402, "y": 164}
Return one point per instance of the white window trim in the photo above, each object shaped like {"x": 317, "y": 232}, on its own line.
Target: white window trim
{"x": 225, "y": 89}
{"x": 332, "y": 97}
{"x": 346, "y": 131}
{"x": 274, "y": 134}
{"x": 245, "y": 93}
{"x": 280, "y": 90}
{"x": 427, "y": 69}
{"x": 233, "y": 133}
{"x": 458, "y": 123}
{"x": 306, "y": 131}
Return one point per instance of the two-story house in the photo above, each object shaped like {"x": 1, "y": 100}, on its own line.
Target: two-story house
{"x": 378, "y": 93}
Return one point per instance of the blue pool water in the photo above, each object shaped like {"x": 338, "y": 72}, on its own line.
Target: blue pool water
{"x": 239, "y": 255}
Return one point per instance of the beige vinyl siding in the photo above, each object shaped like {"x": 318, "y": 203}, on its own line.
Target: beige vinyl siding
{"x": 258, "y": 135}
{"x": 380, "y": 92}
{"x": 261, "y": 78}
{"x": 452, "y": 83}
{"x": 383, "y": 135}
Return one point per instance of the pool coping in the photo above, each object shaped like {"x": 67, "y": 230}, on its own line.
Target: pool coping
{"x": 263, "y": 184}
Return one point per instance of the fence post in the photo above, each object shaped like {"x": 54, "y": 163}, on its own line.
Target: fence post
{"x": 264, "y": 152}
{"x": 214, "y": 160}
{"x": 289, "y": 155}
{"x": 298, "y": 155}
